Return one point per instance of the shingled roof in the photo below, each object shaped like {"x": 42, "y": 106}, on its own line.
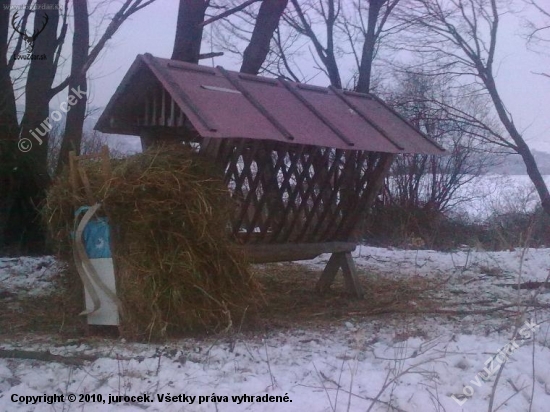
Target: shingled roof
{"x": 224, "y": 104}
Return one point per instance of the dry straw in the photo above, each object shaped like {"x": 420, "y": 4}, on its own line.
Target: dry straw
{"x": 176, "y": 269}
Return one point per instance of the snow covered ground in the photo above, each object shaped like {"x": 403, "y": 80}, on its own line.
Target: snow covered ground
{"x": 436, "y": 361}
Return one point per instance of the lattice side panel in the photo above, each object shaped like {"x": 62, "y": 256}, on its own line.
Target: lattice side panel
{"x": 373, "y": 169}
{"x": 288, "y": 193}
{"x": 245, "y": 183}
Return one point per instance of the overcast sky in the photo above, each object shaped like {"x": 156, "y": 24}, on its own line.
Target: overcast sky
{"x": 152, "y": 30}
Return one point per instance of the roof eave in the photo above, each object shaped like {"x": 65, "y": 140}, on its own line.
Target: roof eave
{"x": 103, "y": 123}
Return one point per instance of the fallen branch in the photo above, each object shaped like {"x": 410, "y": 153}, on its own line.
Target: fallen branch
{"x": 449, "y": 311}
{"x": 46, "y": 356}
{"x": 531, "y": 285}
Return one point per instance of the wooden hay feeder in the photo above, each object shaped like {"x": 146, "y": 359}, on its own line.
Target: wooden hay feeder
{"x": 304, "y": 163}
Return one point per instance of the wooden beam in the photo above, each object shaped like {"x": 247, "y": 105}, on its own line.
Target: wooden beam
{"x": 210, "y": 55}
{"x": 289, "y": 252}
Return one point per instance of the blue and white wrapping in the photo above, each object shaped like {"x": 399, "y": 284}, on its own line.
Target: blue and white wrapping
{"x": 92, "y": 252}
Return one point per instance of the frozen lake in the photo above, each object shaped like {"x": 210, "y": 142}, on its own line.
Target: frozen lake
{"x": 498, "y": 193}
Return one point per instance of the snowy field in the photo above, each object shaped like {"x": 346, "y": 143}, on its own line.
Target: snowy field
{"x": 448, "y": 359}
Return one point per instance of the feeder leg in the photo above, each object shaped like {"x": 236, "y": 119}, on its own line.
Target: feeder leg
{"x": 350, "y": 275}
{"x": 337, "y": 261}
{"x": 331, "y": 269}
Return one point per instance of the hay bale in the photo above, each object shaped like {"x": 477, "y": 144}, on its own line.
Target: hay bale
{"x": 175, "y": 265}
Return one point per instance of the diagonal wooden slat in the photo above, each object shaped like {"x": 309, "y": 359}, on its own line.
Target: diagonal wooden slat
{"x": 304, "y": 209}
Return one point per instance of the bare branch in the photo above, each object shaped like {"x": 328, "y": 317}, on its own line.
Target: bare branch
{"x": 228, "y": 12}
{"x": 128, "y": 8}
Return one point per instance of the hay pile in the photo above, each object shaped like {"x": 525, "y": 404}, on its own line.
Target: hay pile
{"x": 175, "y": 267}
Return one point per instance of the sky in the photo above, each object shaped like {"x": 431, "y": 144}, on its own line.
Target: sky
{"x": 152, "y": 30}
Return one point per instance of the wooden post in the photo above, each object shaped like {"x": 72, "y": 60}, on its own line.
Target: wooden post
{"x": 78, "y": 173}
{"x": 331, "y": 269}
{"x": 162, "y": 135}
{"x": 105, "y": 162}
{"x": 210, "y": 147}
{"x": 72, "y": 171}
{"x": 350, "y": 275}
{"x": 146, "y": 139}
{"x": 339, "y": 260}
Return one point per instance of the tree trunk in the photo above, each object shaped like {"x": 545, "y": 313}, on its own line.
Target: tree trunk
{"x": 266, "y": 24}
{"x": 187, "y": 45}
{"x": 365, "y": 71}
{"x": 75, "y": 117}
{"x": 25, "y": 230}
{"x": 326, "y": 54}
{"x": 9, "y": 127}
{"x": 364, "y": 86}
{"x": 8, "y": 116}
{"x": 532, "y": 169}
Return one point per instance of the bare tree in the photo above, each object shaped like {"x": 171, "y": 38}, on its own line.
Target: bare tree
{"x": 81, "y": 61}
{"x": 26, "y": 173}
{"x": 8, "y": 123}
{"x": 539, "y": 32}
{"x": 192, "y": 20}
{"x": 335, "y": 28}
{"x": 378, "y": 14}
{"x": 266, "y": 24}
{"x": 459, "y": 38}
{"x": 427, "y": 182}
{"x": 75, "y": 117}
{"x": 187, "y": 44}
{"x": 31, "y": 176}
{"x": 302, "y": 23}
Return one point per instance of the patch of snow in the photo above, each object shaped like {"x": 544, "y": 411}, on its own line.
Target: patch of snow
{"x": 28, "y": 275}
{"x": 341, "y": 368}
